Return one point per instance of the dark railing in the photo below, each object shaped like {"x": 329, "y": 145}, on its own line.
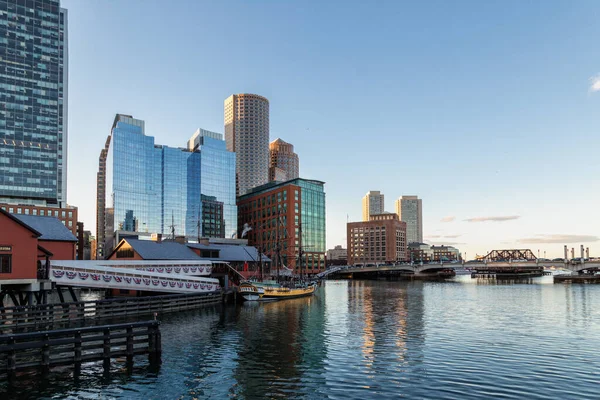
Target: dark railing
{"x": 46, "y": 349}
{"x": 48, "y": 316}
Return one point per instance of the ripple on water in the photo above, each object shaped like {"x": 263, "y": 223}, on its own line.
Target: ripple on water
{"x": 357, "y": 339}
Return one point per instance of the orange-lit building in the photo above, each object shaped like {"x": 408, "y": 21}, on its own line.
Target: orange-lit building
{"x": 382, "y": 239}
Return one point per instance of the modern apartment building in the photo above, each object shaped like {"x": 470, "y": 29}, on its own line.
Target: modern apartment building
{"x": 372, "y": 203}
{"x": 380, "y": 240}
{"x": 282, "y": 156}
{"x": 159, "y": 189}
{"x": 410, "y": 210}
{"x": 33, "y": 94}
{"x": 289, "y": 215}
{"x": 247, "y": 134}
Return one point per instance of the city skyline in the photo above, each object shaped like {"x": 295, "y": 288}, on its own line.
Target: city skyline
{"x": 488, "y": 142}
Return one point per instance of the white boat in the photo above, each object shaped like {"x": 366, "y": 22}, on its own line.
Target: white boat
{"x": 251, "y": 292}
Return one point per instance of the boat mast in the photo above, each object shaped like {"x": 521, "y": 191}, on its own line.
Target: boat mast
{"x": 300, "y": 250}
{"x": 260, "y": 250}
{"x": 277, "y": 245}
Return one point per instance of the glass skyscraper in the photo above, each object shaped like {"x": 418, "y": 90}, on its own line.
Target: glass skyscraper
{"x": 159, "y": 189}
{"x": 33, "y": 102}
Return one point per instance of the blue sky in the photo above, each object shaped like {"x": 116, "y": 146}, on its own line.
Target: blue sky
{"x": 482, "y": 109}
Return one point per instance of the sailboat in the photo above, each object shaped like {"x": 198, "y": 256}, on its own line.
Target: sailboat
{"x": 286, "y": 290}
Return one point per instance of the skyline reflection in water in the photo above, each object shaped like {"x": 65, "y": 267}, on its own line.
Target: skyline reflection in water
{"x": 467, "y": 338}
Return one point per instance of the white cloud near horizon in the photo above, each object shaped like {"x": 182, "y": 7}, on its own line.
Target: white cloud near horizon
{"x": 501, "y": 218}
{"x": 559, "y": 238}
{"x": 448, "y": 219}
{"x": 595, "y": 83}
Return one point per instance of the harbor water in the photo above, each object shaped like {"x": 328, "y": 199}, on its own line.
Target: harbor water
{"x": 464, "y": 338}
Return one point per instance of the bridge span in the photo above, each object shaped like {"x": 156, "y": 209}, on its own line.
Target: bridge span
{"x": 482, "y": 267}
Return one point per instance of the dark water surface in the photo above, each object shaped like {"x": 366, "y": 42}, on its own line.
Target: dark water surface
{"x": 463, "y": 339}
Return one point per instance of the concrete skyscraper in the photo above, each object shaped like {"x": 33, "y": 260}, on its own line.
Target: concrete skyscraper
{"x": 247, "y": 134}
{"x": 33, "y": 88}
{"x": 282, "y": 156}
{"x": 372, "y": 203}
{"x": 410, "y": 210}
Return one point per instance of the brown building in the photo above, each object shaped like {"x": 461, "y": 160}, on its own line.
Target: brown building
{"x": 289, "y": 216}
{"x": 68, "y": 216}
{"x": 101, "y": 199}
{"x": 382, "y": 239}
{"x": 282, "y": 157}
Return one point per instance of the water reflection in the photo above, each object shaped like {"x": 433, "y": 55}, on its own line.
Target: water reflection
{"x": 367, "y": 339}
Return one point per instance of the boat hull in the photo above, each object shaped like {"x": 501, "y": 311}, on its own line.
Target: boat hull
{"x": 288, "y": 293}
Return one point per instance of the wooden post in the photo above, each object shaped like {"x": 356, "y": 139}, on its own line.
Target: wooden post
{"x": 106, "y": 353}
{"x": 77, "y": 347}
{"x": 11, "y": 360}
{"x": 46, "y": 355}
{"x": 129, "y": 347}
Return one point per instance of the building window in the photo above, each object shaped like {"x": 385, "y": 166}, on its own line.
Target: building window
{"x": 42, "y": 212}
{"x": 70, "y": 214}
{"x": 5, "y": 263}
{"x": 125, "y": 253}
{"x": 11, "y": 210}
{"x": 70, "y": 224}
{"x": 19, "y": 210}
{"x": 34, "y": 211}
{"x": 55, "y": 213}
{"x": 27, "y": 211}
{"x": 64, "y": 214}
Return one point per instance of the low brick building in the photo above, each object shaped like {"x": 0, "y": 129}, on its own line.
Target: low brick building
{"x": 380, "y": 240}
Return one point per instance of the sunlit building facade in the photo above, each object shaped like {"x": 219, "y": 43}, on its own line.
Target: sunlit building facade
{"x": 289, "y": 215}
{"x": 282, "y": 157}
{"x": 380, "y": 240}
{"x": 247, "y": 134}
{"x": 161, "y": 189}
{"x": 372, "y": 203}
{"x": 33, "y": 98}
{"x": 410, "y": 210}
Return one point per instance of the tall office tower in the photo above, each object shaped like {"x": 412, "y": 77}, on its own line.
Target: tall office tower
{"x": 282, "y": 156}
{"x": 159, "y": 189}
{"x": 372, "y": 204}
{"x": 247, "y": 135}
{"x": 33, "y": 93}
{"x": 410, "y": 210}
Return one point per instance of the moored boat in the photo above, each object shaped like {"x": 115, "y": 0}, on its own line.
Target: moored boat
{"x": 250, "y": 292}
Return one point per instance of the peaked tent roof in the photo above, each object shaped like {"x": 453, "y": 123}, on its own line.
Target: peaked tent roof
{"x": 50, "y": 228}
{"x": 151, "y": 250}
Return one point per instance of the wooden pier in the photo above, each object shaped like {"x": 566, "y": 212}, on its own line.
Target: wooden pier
{"x": 582, "y": 278}
{"x": 46, "y": 349}
{"x": 49, "y": 316}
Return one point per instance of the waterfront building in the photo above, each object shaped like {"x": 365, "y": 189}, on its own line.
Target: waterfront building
{"x": 337, "y": 256}
{"x": 166, "y": 190}
{"x": 410, "y": 210}
{"x": 25, "y": 239}
{"x": 420, "y": 252}
{"x": 380, "y": 240}
{"x": 277, "y": 175}
{"x": 289, "y": 216}
{"x": 247, "y": 134}
{"x": 372, "y": 203}
{"x": 282, "y": 156}
{"x": 445, "y": 253}
{"x": 33, "y": 93}
{"x": 67, "y": 215}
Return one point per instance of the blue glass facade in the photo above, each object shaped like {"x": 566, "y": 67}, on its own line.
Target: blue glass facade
{"x": 160, "y": 189}
{"x": 33, "y": 102}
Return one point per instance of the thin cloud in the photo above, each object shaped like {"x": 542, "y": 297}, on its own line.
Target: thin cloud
{"x": 448, "y": 219}
{"x": 564, "y": 239}
{"x": 443, "y": 236}
{"x": 501, "y": 218}
{"x": 445, "y": 243}
{"x": 595, "y": 83}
